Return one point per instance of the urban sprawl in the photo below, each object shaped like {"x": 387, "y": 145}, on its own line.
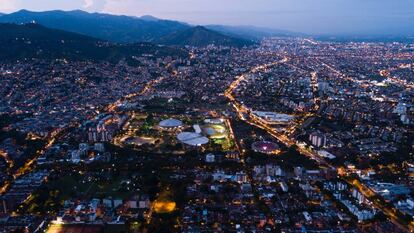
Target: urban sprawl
{"x": 293, "y": 135}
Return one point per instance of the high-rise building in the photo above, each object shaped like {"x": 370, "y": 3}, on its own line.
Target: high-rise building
{"x": 317, "y": 139}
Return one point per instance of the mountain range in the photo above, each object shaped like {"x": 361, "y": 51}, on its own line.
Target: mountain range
{"x": 200, "y": 36}
{"x": 28, "y": 41}
{"x": 123, "y": 29}
{"x": 128, "y": 29}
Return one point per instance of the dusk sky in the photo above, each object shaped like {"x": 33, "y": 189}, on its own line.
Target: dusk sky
{"x": 308, "y": 16}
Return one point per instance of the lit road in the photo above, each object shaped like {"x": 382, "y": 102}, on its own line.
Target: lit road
{"x": 315, "y": 89}
{"x": 383, "y": 73}
{"x": 311, "y": 41}
{"x": 28, "y": 166}
{"x": 256, "y": 121}
{"x": 245, "y": 114}
{"x": 397, "y": 81}
{"x": 6, "y": 157}
{"x": 50, "y": 140}
{"x": 390, "y": 212}
{"x": 147, "y": 88}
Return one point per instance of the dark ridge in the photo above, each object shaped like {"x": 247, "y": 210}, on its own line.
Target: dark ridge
{"x": 115, "y": 28}
{"x": 200, "y": 36}
{"x": 28, "y": 41}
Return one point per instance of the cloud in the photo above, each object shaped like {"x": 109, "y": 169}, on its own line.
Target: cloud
{"x": 8, "y": 5}
{"x": 309, "y": 16}
{"x": 88, "y": 3}
{"x": 94, "y": 5}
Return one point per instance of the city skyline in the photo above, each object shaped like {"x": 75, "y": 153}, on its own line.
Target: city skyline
{"x": 114, "y": 124}
{"x": 337, "y": 17}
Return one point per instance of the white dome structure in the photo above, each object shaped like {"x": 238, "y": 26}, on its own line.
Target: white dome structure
{"x": 170, "y": 123}
{"x": 192, "y": 139}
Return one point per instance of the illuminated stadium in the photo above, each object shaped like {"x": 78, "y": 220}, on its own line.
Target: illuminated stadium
{"x": 138, "y": 141}
{"x": 265, "y": 147}
{"x": 192, "y": 139}
{"x": 215, "y": 131}
{"x": 170, "y": 124}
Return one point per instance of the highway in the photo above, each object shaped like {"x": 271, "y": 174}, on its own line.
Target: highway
{"x": 147, "y": 88}
{"x": 54, "y": 135}
{"x": 256, "y": 121}
{"x": 28, "y": 166}
{"x": 242, "y": 111}
{"x": 396, "y": 81}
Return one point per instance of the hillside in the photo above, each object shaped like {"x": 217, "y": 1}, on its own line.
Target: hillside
{"x": 129, "y": 29}
{"x": 251, "y": 32}
{"x": 103, "y": 26}
{"x": 36, "y": 32}
{"x": 200, "y": 36}
{"x": 35, "y": 41}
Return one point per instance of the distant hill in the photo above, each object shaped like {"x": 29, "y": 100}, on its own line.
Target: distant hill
{"x": 149, "y": 18}
{"x": 200, "y": 36}
{"x": 251, "y": 32}
{"x": 35, "y": 41}
{"x": 103, "y": 26}
{"x": 37, "y": 33}
{"x": 123, "y": 29}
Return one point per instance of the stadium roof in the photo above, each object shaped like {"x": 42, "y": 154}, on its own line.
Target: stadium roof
{"x": 264, "y": 146}
{"x": 192, "y": 139}
{"x": 170, "y": 123}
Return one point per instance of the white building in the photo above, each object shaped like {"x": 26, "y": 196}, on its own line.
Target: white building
{"x": 210, "y": 158}
{"x": 317, "y": 139}
{"x": 326, "y": 154}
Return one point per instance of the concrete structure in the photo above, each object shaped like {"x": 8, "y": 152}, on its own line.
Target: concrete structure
{"x": 317, "y": 139}
{"x": 192, "y": 139}
{"x": 170, "y": 124}
{"x": 265, "y": 147}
